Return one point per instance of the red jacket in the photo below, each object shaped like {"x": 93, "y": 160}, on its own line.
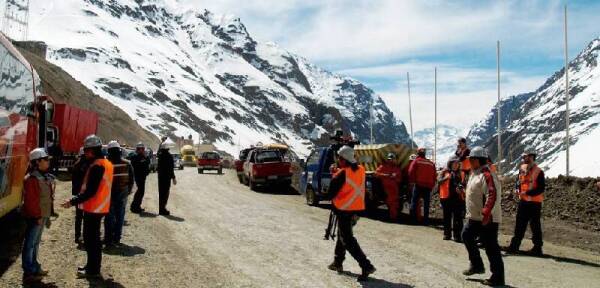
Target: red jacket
{"x": 422, "y": 173}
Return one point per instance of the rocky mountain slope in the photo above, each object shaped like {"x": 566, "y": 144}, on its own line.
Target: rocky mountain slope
{"x": 446, "y": 141}
{"x": 181, "y": 73}
{"x": 536, "y": 120}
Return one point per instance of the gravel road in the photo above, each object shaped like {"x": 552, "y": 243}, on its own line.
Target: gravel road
{"x": 221, "y": 234}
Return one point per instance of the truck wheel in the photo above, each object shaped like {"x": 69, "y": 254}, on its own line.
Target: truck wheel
{"x": 311, "y": 197}
{"x": 240, "y": 179}
{"x": 220, "y": 171}
{"x": 252, "y": 185}
{"x": 200, "y": 171}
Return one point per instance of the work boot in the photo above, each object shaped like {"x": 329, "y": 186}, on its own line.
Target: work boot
{"x": 136, "y": 210}
{"x": 447, "y": 237}
{"x": 536, "y": 251}
{"x": 473, "y": 270}
{"x": 337, "y": 267}
{"x": 85, "y": 274}
{"x": 164, "y": 213}
{"x": 31, "y": 278}
{"x": 493, "y": 282}
{"x": 41, "y": 273}
{"x": 511, "y": 249}
{"x": 364, "y": 276}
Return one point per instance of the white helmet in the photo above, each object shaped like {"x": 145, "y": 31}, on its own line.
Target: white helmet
{"x": 478, "y": 152}
{"x": 92, "y": 141}
{"x": 347, "y": 153}
{"x": 37, "y": 153}
{"x": 113, "y": 144}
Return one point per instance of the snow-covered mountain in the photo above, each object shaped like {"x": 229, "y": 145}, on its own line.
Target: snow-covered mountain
{"x": 180, "y": 72}
{"x": 446, "y": 141}
{"x": 536, "y": 120}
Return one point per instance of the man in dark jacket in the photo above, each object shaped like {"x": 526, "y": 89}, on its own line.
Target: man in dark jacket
{"x": 141, "y": 169}
{"x": 166, "y": 174}
{"x": 530, "y": 187}
{"x": 120, "y": 190}
{"x": 79, "y": 169}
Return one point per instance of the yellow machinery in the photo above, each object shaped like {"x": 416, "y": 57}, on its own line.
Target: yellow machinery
{"x": 188, "y": 155}
{"x": 371, "y": 155}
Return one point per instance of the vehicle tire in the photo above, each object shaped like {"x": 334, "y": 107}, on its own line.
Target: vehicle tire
{"x": 220, "y": 171}
{"x": 311, "y": 197}
{"x": 200, "y": 171}
{"x": 245, "y": 180}
{"x": 252, "y": 185}
{"x": 240, "y": 179}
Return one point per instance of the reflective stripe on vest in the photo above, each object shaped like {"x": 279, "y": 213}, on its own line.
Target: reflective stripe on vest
{"x": 351, "y": 196}
{"x": 100, "y": 202}
{"x": 528, "y": 181}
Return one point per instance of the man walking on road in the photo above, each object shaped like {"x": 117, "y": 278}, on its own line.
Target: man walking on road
{"x": 166, "y": 174}
{"x": 94, "y": 200}
{"x": 390, "y": 175}
{"x": 120, "y": 190}
{"x": 530, "y": 187}
{"x": 422, "y": 178}
{"x": 483, "y": 218}
{"x": 348, "y": 191}
{"x": 141, "y": 169}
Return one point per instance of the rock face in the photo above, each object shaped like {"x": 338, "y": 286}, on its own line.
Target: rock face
{"x": 181, "y": 73}
{"x": 536, "y": 121}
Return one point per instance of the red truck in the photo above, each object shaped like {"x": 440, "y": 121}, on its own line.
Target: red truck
{"x": 266, "y": 167}
{"x": 239, "y": 164}
{"x": 210, "y": 161}
{"x": 68, "y": 127}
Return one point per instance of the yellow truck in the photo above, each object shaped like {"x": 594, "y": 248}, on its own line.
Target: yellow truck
{"x": 188, "y": 155}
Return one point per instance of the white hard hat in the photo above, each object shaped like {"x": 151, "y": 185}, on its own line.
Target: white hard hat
{"x": 347, "y": 153}
{"x": 140, "y": 145}
{"x": 478, "y": 152}
{"x": 37, "y": 153}
{"x": 92, "y": 141}
{"x": 113, "y": 144}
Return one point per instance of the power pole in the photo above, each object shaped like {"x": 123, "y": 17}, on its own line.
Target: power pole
{"x": 412, "y": 144}
{"x": 568, "y": 112}
{"x": 435, "y": 116}
{"x": 16, "y": 19}
{"x": 498, "y": 109}
{"x": 371, "y": 119}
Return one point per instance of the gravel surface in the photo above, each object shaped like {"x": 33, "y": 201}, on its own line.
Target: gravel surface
{"x": 221, "y": 234}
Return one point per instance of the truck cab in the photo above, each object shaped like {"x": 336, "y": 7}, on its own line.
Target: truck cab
{"x": 266, "y": 167}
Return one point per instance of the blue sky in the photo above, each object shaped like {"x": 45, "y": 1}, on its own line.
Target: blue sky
{"x": 378, "y": 41}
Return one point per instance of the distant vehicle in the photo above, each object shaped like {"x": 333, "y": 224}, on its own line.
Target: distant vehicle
{"x": 210, "y": 161}
{"x": 239, "y": 163}
{"x": 177, "y": 162}
{"x": 266, "y": 167}
{"x": 188, "y": 155}
{"x": 68, "y": 126}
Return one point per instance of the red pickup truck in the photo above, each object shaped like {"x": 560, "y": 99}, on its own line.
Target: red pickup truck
{"x": 266, "y": 167}
{"x": 210, "y": 161}
{"x": 239, "y": 164}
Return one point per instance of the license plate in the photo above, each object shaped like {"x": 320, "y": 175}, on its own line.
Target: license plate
{"x": 272, "y": 177}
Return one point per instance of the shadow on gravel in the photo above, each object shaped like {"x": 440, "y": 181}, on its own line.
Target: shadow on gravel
{"x": 480, "y": 281}
{"x": 40, "y": 284}
{"x": 558, "y": 259}
{"x": 277, "y": 190}
{"x": 125, "y": 250}
{"x": 375, "y": 282}
{"x": 148, "y": 215}
{"x": 104, "y": 283}
{"x": 13, "y": 231}
{"x": 174, "y": 218}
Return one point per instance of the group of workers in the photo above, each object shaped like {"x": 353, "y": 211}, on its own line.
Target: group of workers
{"x": 470, "y": 193}
{"x": 101, "y": 185}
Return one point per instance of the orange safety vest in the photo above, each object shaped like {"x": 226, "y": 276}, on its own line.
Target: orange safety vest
{"x": 445, "y": 185}
{"x": 100, "y": 202}
{"x": 351, "y": 196}
{"x": 466, "y": 164}
{"x": 528, "y": 181}
{"x": 493, "y": 168}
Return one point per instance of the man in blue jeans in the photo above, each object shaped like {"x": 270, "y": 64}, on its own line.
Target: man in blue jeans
{"x": 422, "y": 179}
{"x": 121, "y": 188}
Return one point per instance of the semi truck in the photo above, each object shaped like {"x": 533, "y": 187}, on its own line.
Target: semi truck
{"x": 188, "y": 155}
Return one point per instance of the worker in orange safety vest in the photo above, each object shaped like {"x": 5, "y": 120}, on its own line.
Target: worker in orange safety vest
{"x": 94, "y": 200}
{"x": 530, "y": 188}
{"x": 451, "y": 183}
{"x": 463, "y": 152}
{"x": 347, "y": 188}
{"x": 390, "y": 175}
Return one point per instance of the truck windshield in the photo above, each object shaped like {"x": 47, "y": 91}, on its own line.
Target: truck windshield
{"x": 268, "y": 156}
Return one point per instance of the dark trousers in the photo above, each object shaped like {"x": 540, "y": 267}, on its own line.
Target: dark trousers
{"x": 347, "y": 242}
{"x": 417, "y": 193}
{"x": 164, "y": 187}
{"x": 528, "y": 212}
{"x": 78, "y": 221}
{"x": 454, "y": 214}
{"x": 93, "y": 244}
{"x": 114, "y": 221}
{"x": 136, "y": 204}
{"x": 489, "y": 237}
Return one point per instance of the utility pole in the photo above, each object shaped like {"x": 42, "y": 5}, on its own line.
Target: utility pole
{"x": 568, "y": 112}
{"x": 371, "y": 119}
{"x": 412, "y": 144}
{"x": 435, "y": 116}
{"x": 498, "y": 109}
